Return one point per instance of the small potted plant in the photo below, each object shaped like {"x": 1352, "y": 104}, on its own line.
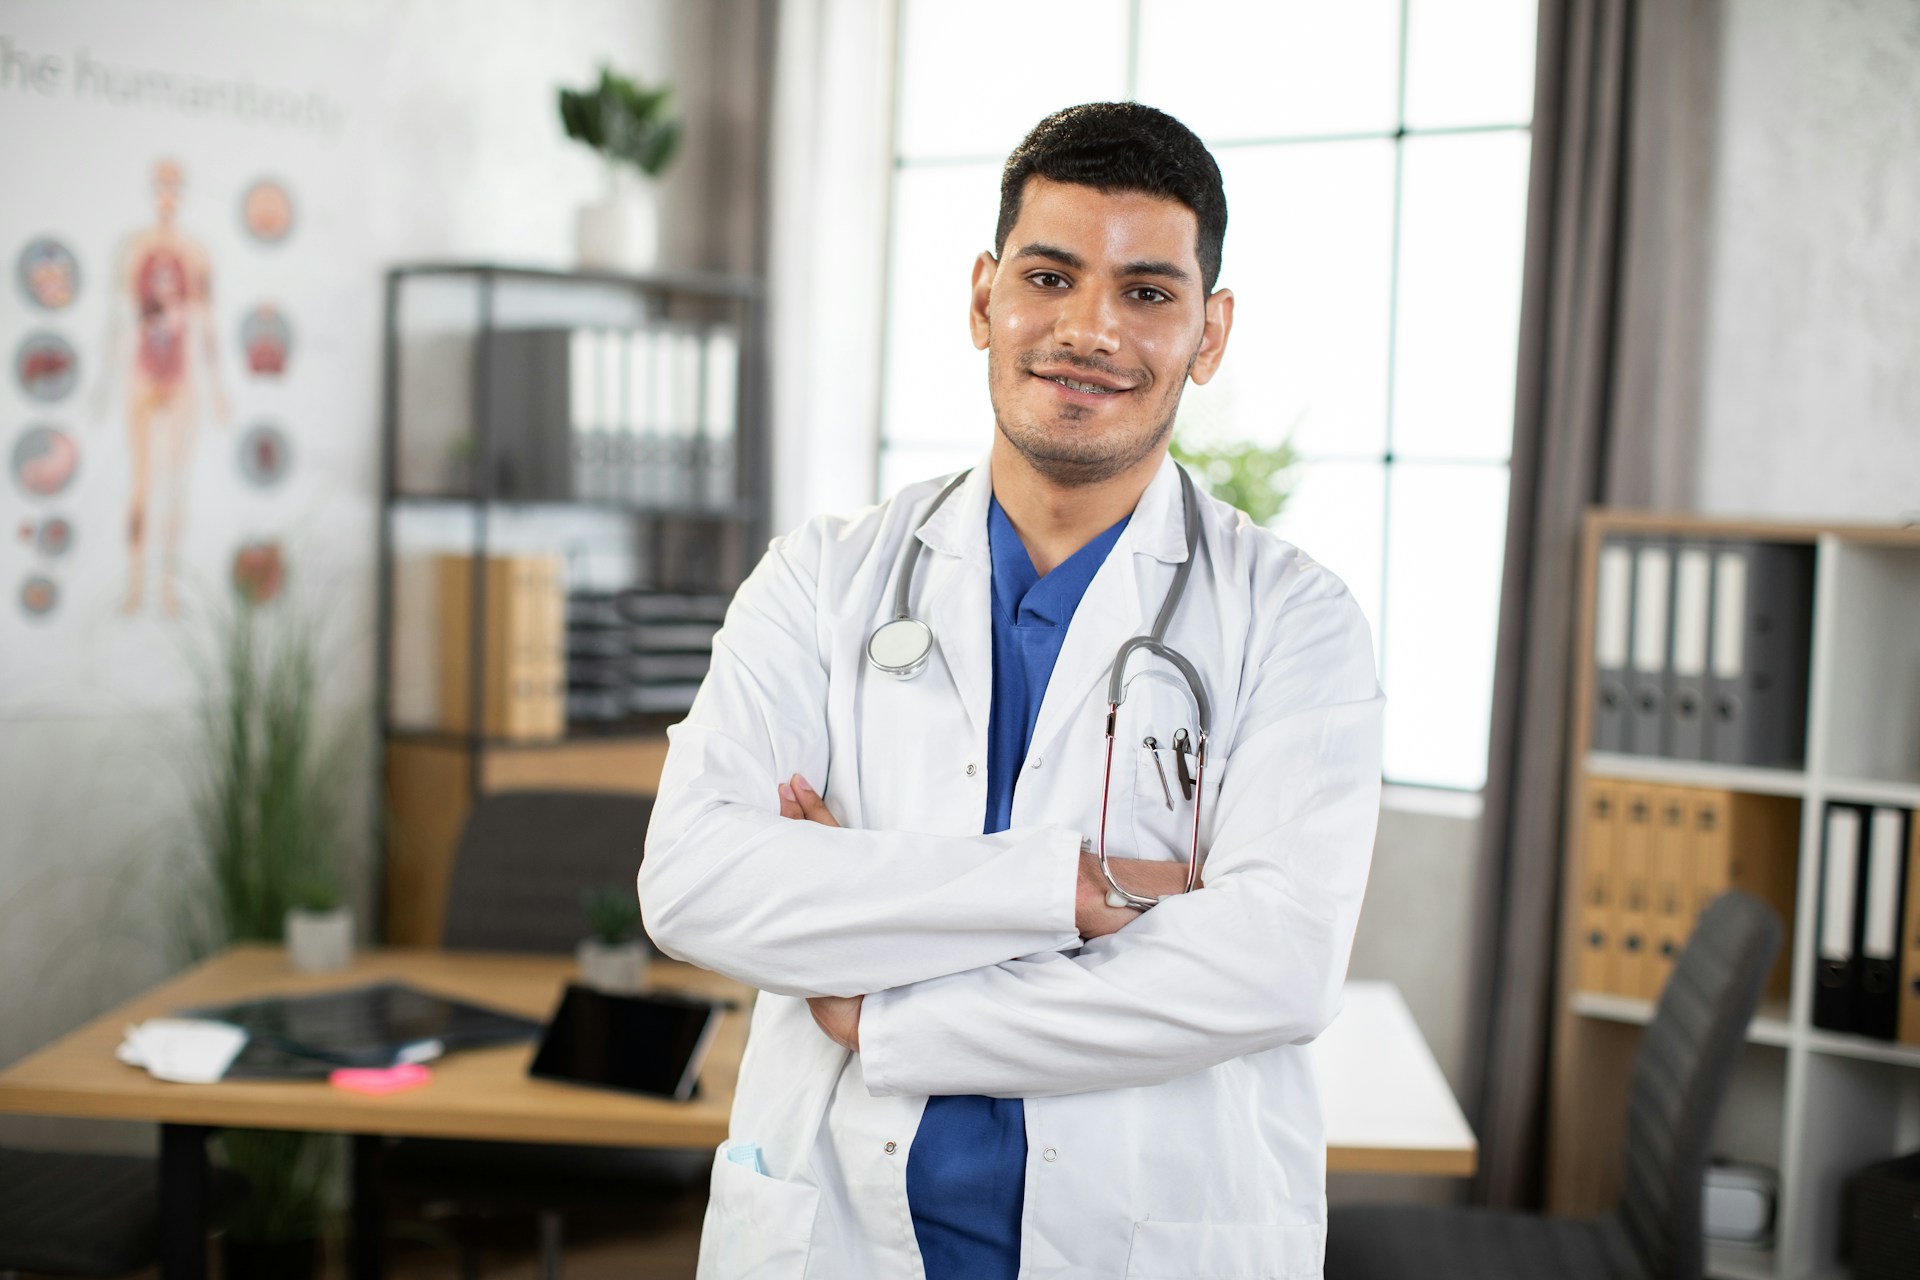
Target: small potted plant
{"x": 319, "y": 926}
{"x": 614, "y": 956}
{"x": 631, "y": 129}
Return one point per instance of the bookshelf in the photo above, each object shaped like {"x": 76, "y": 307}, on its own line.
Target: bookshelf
{"x": 1813, "y": 1104}
{"x": 553, "y": 443}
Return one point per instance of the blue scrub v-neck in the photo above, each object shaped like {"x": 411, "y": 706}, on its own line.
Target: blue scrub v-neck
{"x": 966, "y": 1173}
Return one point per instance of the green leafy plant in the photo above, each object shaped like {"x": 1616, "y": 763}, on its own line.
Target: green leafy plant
{"x": 286, "y": 1175}
{"x": 625, "y": 123}
{"x": 613, "y": 913}
{"x": 1249, "y": 476}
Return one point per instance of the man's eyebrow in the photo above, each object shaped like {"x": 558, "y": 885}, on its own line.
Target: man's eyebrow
{"x": 1067, "y": 258}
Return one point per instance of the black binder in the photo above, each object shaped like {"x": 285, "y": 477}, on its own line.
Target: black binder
{"x": 1837, "y": 937}
{"x": 1761, "y": 640}
{"x": 1652, "y": 640}
{"x": 1876, "y": 1009}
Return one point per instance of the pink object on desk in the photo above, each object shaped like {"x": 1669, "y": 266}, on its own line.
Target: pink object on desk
{"x": 408, "y": 1075}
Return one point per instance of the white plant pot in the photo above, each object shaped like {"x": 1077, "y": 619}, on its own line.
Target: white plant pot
{"x": 620, "y": 969}
{"x": 319, "y": 941}
{"x": 620, "y": 232}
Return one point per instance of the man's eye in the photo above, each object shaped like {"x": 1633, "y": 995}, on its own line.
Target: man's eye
{"x": 1147, "y": 293}
{"x": 1048, "y": 279}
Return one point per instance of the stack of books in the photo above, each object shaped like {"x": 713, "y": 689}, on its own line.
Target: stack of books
{"x": 638, "y": 652}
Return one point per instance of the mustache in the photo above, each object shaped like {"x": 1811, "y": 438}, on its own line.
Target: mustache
{"x": 1093, "y": 364}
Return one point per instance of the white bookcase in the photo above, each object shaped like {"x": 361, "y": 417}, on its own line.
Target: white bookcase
{"x": 1812, "y": 1104}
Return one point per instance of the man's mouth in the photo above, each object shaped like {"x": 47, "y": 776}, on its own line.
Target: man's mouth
{"x": 1085, "y": 386}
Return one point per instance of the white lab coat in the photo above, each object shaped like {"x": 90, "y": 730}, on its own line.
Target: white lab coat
{"x": 1173, "y": 1122}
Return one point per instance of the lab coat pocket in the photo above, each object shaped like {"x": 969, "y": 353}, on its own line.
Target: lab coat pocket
{"x": 757, "y": 1227}
{"x": 1160, "y": 831}
{"x": 1227, "y": 1251}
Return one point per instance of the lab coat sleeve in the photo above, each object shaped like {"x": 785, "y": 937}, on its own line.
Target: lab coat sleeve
{"x": 1255, "y": 959}
{"x": 799, "y": 908}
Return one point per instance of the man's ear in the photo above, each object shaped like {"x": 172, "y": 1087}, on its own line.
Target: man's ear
{"x": 1213, "y": 338}
{"x": 985, "y": 268}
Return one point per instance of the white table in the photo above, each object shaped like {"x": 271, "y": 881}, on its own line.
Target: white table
{"x": 1388, "y": 1108}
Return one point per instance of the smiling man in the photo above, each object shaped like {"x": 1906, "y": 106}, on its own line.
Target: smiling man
{"x": 1009, "y": 1029}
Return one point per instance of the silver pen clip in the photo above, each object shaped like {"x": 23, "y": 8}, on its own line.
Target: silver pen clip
{"x": 1153, "y": 745}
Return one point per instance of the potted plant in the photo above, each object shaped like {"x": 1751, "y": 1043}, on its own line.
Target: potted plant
{"x": 614, "y": 956}
{"x": 319, "y": 926}
{"x": 269, "y": 803}
{"x": 631, "y": 129}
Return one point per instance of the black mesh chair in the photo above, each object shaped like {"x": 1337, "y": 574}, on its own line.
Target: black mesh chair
{"x": 74, "y": 1214}
{"x": 1679, "y": 1076}
{"x": 523, "y": 860}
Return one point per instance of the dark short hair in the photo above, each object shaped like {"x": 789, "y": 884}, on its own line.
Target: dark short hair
{"x": 1121, "y": 146}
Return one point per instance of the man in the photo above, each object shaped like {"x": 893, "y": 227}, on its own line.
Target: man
{"x": 971, "y": 1060}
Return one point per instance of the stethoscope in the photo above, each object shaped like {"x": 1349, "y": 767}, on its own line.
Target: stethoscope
{"x": 901, "y": 646}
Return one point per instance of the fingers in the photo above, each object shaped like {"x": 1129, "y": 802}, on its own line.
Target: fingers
{"x": 811, "y": 805}
{"x": 789, "y": 804}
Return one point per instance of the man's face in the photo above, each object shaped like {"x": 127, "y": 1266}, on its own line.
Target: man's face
{"x": 1093, "y": 320}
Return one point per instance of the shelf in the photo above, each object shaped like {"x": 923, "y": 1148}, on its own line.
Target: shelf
{"x": 1738, "y": 1262}
{"x": 1769, "y": 1026}
{"x": 1906, "y": 795}
{"x": 737, "y": 513}
{"x": 704, "y": 284}
{"x": 1842, "y": 1045}
{"x": 640, "y": 727}
{"x": 1695, "y": 773}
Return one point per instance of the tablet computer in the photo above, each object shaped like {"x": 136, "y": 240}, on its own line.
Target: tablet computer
{"x": 651, "y": 1044}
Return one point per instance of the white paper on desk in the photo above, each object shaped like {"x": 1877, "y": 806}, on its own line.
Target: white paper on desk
{"x": 182, "y": 1050}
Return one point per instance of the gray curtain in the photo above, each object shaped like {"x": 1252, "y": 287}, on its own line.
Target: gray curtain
{"x": 1605, "y": 413}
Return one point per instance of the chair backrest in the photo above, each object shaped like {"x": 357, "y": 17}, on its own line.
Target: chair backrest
{"x": 524, "y": 858}
{"x": 1680, "y": 1074}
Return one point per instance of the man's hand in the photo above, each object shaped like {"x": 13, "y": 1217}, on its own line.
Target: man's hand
{"x": 1147, "y": 877}
{"x": 838, "y": 1016}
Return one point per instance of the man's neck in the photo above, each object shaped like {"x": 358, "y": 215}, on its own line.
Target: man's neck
{"x": 1054, "y": 521}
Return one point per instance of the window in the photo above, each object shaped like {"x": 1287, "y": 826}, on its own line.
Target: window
{"x": 1375, "y": 158}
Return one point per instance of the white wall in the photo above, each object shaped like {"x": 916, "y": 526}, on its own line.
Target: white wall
{"x": 463, "y": 159}
{"x": 1812, "y": 386}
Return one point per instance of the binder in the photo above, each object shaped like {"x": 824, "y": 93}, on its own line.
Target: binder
{"x": 1687, "y": 694}
{"x": 720, "y": 415}
{"x": 1672, "y": 883}
{"x": 523, "y": 681}
{"x": 1752, "y": 843}
{"x": 1633, "y": 968}
{"x": 1836, "y": 976}
{"x": 1652, "y": 601}
{"x": 1876, "y": 1009}
{"x": 1612, "y": 618}
{"x": 1594, "y": 966}
{"x": 1761, "y": 636}
{"x": 1910, "y": 942}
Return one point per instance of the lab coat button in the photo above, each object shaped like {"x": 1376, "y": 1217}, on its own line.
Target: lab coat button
{"x": 972, "y": 768}
{"x": 892, "y": 1147}
{"x": 1049, "y": 1154}
{"x": 1034, "y": 763}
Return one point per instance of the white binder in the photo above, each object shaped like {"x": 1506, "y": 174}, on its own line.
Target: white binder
{"x": 1652, "y": 596}
{"x": 1612, "y": 638}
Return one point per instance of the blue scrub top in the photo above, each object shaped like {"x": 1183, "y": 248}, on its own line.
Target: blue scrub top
{"x": 967, "y": 1169}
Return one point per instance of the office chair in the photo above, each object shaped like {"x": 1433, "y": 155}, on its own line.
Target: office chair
{"x": 523, "y": 859}
{"x": 72, "y": 1214}
{"x": 1680, "y": 1074}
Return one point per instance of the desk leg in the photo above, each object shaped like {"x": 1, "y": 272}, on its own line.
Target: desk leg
{"x": 183, "y": 1201}
{"x": 369, "y": 1236}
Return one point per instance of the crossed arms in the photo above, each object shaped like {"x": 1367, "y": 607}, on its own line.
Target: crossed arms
{"x": 982, "y": 964}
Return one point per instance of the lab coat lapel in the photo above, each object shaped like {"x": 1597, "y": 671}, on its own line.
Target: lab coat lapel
{"x": 1115, "y": 607}
{"x": 955, "y": 598}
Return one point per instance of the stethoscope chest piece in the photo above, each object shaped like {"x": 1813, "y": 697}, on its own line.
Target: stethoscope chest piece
{"x": 901, "y": 648}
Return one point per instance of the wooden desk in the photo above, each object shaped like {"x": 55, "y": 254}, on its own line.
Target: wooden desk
{"x": 1388, "y": 1108}
{"x": 476, "y": 1093}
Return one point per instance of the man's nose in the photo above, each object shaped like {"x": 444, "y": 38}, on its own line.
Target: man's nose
{"x": 1089, "y": 323}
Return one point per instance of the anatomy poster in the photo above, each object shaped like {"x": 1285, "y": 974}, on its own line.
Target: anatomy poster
{"x": 190, "y": 329}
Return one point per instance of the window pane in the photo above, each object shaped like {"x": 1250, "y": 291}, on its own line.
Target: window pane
{"x": 901, "y": 467}
{"x": 936, "y": 383}
{"x": 1309, "y": 239}
{"x": 1266, "y": 68}
{"x": 974, "y": 77}
{"x": 1335, "y": 515}
{"x": 1470, "y": 62}
{"x": 1462, "y": 231}
{"x": 1446, "y": 540}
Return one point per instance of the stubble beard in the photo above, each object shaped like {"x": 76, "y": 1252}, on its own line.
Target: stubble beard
{"x": 1066, "y": 459}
